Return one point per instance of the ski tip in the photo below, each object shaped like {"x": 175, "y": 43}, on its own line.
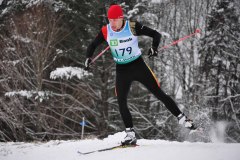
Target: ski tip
{"x": 80, "y": 152}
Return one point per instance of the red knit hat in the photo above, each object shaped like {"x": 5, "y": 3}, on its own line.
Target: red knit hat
{"x": 115, "y": 12}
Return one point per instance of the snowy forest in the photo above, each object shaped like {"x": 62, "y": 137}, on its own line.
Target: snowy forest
{"x": 45, "y": 91}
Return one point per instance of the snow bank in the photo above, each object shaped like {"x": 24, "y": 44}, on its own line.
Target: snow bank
{"x": 148, "y": 150}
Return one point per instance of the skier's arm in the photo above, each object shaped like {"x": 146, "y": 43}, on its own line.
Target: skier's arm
{"x": 144, "y": 30}
{"x": 93, "y": 45}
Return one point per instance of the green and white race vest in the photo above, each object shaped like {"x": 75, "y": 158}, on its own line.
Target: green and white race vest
{"x": 123, "y": 44}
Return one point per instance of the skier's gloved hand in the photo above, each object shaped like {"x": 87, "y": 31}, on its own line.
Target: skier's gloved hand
{"x": 87, "y": 63}
{"x": 152, "y": 52}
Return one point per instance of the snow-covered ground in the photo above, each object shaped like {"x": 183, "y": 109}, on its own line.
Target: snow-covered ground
{"x": 148, "y": 150}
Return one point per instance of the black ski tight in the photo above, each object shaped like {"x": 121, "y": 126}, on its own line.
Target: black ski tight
{"x": 139, "y": 71}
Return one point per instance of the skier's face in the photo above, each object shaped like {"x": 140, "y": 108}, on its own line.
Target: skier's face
{"x": 116, "y": 24}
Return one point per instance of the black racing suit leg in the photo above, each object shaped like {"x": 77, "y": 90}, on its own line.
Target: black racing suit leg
{"x": 123, "y": 84}
{"x": 149, "y": 80}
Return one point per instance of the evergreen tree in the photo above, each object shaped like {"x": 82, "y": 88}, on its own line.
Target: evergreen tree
{"x": 220, "y": 62}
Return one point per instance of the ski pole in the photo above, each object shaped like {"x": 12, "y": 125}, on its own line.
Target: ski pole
{"x": 99, "y": 55}
{"x": 164, "y": 47}
{"x": 181, "y": 39}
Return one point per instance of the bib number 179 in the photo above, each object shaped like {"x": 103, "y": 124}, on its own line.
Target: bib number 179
{"x": 122, "y": 51}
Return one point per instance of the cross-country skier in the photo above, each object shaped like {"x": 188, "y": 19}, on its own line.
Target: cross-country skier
{"x": 122, "y": 37}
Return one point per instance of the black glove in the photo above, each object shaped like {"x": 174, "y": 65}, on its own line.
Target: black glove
{"x": 87, "y": 63}
{"x": 152, "y": 52}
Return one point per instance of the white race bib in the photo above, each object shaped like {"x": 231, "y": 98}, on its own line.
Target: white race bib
{"x": 123, "y": 44}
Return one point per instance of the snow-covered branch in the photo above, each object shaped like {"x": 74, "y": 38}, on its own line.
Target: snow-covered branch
{"x": 41, "y": 95}
{"x": 69, "y": 72}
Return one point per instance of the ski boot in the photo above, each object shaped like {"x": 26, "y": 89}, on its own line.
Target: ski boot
{"x": 186, "y": 122}
{"x": 130, "y": 138}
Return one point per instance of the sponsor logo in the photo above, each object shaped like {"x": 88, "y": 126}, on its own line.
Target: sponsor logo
{"x": 125, "y": 40}
{"x": 127, "y": 59}
{"x": 114, "y": 42}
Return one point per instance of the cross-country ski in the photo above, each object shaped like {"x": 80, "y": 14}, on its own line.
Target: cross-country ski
{"x": 108, "y": 149}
